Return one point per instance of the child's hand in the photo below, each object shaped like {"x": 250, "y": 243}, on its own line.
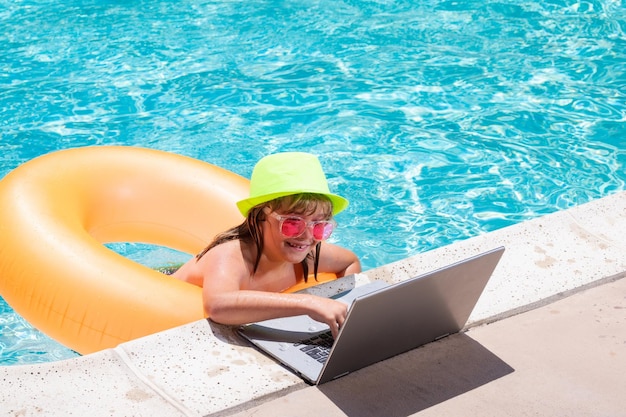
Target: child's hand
{"x": 329, "y": 311}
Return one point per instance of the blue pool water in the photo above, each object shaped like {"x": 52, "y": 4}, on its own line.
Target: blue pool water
{"x": 439, "y": 120}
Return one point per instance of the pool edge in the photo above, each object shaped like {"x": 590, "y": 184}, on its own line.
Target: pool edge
{"x": 202, "y": 368}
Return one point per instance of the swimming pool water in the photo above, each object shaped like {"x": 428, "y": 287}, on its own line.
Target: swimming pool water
{"x": 439, "y": 120}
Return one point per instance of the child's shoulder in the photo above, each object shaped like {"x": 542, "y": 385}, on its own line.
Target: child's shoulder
{"x": 232, "y": 254}
{"x": 230, "y": 247}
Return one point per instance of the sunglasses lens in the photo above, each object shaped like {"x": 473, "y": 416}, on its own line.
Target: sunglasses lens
{"x": 292, "y": 227}
{"x": 322, "y": 230}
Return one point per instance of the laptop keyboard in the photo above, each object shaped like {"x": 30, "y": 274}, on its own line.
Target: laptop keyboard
{"x": 317, "y": 347}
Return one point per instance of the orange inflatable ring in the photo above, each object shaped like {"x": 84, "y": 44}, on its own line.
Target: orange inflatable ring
{"x": 57, "y": 210}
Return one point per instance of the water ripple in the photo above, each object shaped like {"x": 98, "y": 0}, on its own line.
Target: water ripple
{"x": 439, "y": 119}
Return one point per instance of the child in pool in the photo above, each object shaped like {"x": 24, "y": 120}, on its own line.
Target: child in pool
{"x": 289, "y": 216}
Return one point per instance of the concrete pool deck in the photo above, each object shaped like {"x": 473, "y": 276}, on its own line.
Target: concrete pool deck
{"x": 547, "y": 337}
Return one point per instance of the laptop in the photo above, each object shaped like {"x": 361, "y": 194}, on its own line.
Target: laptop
{"x": 383, "y": 321}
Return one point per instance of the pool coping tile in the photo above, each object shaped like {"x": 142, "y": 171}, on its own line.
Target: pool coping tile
{"x": 203, "y": 368}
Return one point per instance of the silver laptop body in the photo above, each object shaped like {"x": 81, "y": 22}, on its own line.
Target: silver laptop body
{"x": 383, "y": 320}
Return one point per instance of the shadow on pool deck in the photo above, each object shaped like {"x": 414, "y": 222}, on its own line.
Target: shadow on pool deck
{"x": 419, "y": 379}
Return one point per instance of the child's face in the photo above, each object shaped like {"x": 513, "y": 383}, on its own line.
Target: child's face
{"x": 293, "y": 236}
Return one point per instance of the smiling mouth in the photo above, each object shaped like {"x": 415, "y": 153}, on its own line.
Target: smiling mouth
{"x": 297, "y": 246}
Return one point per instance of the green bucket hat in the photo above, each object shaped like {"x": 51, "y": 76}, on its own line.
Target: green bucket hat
{"x": 288, "y": 173}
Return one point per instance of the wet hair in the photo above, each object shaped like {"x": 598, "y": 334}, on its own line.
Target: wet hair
{"x": 250, "y": 231}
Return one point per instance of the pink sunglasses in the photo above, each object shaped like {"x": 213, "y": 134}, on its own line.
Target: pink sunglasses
{"x": 293, "y": 226}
